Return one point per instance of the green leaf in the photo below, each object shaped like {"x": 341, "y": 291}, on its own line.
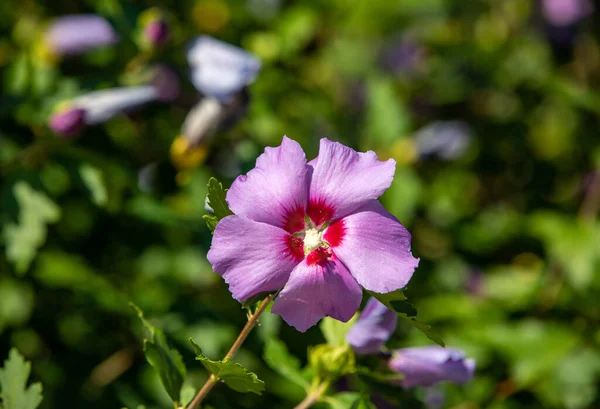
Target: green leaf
{"x": 385, "y": 377}
{"x": 233, "y": 374}
{"x": 211, "y": 221}
{"x": 94, "y": 182}
{"x": 13, "y": 384}
{"x": 166, "y": 361}
{"x": 24, "y": 239}
{"x": 281, "y": 361}
{"x": 335, "y": 331}
{"x": 216, "y": 199}
{"x": 363, "y": 402}
{"x": 343, "y": 400}
{"x": 396, "y": 301}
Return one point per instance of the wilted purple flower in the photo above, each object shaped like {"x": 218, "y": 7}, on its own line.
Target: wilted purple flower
{"x": 99, "y": 106}
{"x": 79, "y": 33}
{"x": 446, "y": 139}
{"x": 314, "y": 229}
{"x": 373, "y": 328}
{"x": 562, "y": 13}
{"x": 427, "y": 366}
{"x": 68, "y": 121}
{"x": 220, "y": 70}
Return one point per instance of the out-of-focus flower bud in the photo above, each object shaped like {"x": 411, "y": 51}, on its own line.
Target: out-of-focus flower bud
{"x": 373, "y": 328}
{"x": 427, "y": 366}
{"x": 562, "y": 13}
{"x": 447, "y": 140}
{"x": 156, "y": 30}
{"x": 67, "y": 120}
{"x": 220, "y": 70}
{"x": 76, "y": 34}
{"x": 329, "y": 362}
{"x": 100, "y": 106}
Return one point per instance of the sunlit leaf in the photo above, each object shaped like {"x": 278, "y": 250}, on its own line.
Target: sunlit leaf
{"x": 15, "y": 394}
{"x": 232, "y": 373}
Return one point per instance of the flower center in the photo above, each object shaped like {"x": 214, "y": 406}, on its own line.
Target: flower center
{"x": 313, "y": 239}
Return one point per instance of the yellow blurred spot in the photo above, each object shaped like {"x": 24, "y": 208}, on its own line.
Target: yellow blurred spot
{"x": 148, "y": 16}
{"x": 186, "y": 157}
{"x": 264, "y": 45}
{"x": 42, "y": 52}
{"x": 527, "y": 260}
{"x": 404, "y": 151}
{"x": 210, "y": 15}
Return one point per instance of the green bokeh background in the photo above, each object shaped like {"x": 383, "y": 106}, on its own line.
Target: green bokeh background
{"x": 507, "y": 233}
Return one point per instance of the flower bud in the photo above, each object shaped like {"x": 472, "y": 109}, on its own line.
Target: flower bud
{"x": 165, "y": 81}
{"x": 427, "y": 366}
{"x": 373, "y": 328}
{"x": 329, "y": 362}
{"x": 68, "y": 121}
{"x": 155, "y": 29}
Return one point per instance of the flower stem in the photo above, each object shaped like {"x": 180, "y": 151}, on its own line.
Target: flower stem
{"x": 252, "y": 322}
{"x": 312, "y": 397}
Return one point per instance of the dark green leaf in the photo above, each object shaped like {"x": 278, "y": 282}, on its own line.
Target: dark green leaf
{"x": 13, "y": 384}
{"x": 396, "y": 301}
{"x": 166, "y": 361}
{"x": 233, "y": 374}
{"x": 216, "y": 199}
{"x": 281, "y": 361}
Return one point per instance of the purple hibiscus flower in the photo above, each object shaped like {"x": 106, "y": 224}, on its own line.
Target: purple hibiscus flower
{"x": 314, "y": 229}
{"x": 79, "y": 33}
{"x": 427, "y": 366}
{"x": 373, "y": 328}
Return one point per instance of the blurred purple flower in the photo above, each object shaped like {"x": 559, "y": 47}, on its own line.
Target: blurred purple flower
{"x": 78, "y": 33}
{"x": 314, "y": 230}
{"x": 447, "y": 140}
{"x": 402, "y": 55}
{"x": 562, "y": 13}
{"x": 220, "y": 70}
{"x": 67, "y": 122}
{"x": 427, "y": 366}
{"x": 99, "y": 106}
{"x": 373, "y": 328}
{"x": 475, "y": 282}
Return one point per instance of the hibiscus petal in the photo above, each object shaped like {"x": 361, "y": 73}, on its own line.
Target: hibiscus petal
{"x": 343, "y": 180}
{"x": 252, "y": 257}
{"x": 276, "y": 190}
{"x": 318, "y": 290}
{"x": 375, "y": 247}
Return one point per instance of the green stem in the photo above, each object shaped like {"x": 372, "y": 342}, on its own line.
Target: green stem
{"x": 313, "y": 396}
{"x": 213, "y": 379}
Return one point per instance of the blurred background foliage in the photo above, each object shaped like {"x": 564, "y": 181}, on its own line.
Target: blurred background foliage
{"x": 490, "y": 108}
